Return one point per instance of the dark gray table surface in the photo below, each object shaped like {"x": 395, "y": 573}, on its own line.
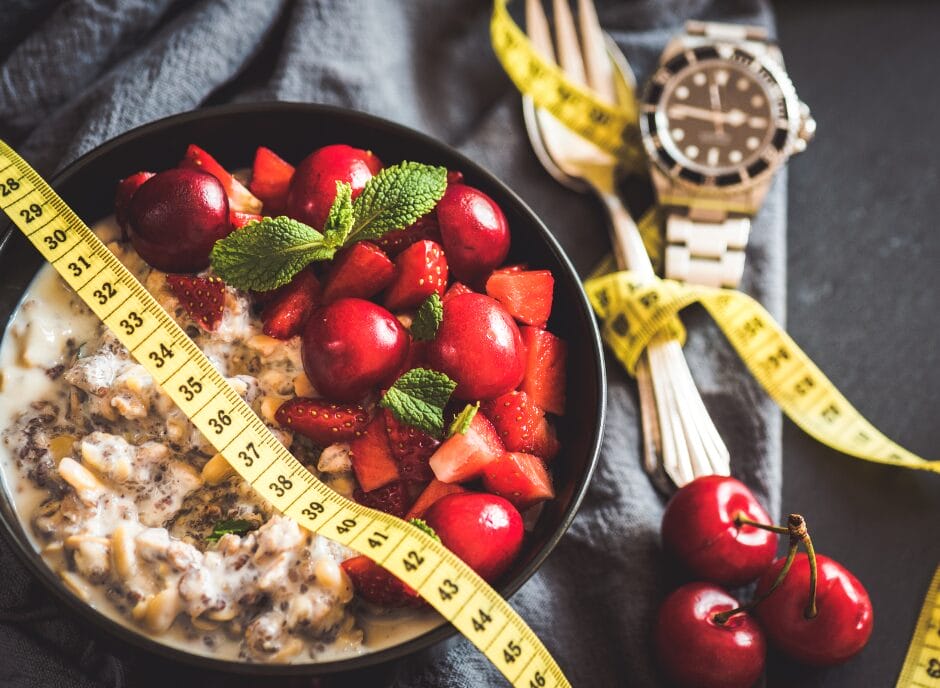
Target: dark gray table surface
{"x": 863, "y": 250}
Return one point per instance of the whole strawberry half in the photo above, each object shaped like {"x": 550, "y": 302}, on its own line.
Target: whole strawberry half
{"x": 392, "y": 498}
{"x": 287, "y": 310}
{"x": 322, "y": 421}
{"x": 424, "y": 227}
{"x": 202, "y": 297}
{"x": 376, "y": 585}
{"x": 411, "y": 448}
{"x": 420, "y": 270}
{"x": 521, "y": 425}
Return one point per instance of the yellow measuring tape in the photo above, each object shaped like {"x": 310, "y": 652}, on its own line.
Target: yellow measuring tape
{"x": 922, "y": 664}
{"x": 634, "y": 310}
{"x": 160, "y": 345}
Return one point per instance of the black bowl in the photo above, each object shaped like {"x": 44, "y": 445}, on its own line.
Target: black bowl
{"x": 232, "y": 133}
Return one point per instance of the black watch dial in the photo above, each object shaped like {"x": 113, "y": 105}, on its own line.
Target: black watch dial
{"x": 714, "y": 119}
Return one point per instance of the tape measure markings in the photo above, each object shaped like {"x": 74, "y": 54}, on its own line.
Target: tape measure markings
{"x": 201, "y": 392}
{"x": 921, "y": 666}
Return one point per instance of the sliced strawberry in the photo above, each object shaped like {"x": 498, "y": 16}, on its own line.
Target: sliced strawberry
{"x": 125, "y": 191}
{"x": 456, "y": 289}
{"x": 287, "y": 311}
{"x": 424, "y": 227}
{"x": 465, "y": 455}
{"x": 521, "y": 424}
{"x": 544, "y": 379}
{"x": 392, "y": 498}
{"x": 270, "y": 180}
{"x": 202, "y": 297}
{"x": 240, "y": 219}
{"x": 239, "y": 197}
{"x": 420, "y": 270}
{"x": 526, "y": 294}
{"x": 376, "y": 585}
{"x": 520, "y": 478}
{"x": 322, "y": 421}
{"x": 411, "y": 448}
{"x": 371, "y": 457}
{"x": 361, "y": 271}
{"x": 434, "y": 491}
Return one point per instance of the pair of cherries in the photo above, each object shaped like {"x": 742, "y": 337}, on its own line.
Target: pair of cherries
{"x": 807, "y": 605}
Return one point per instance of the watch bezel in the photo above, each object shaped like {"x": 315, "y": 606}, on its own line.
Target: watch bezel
{"x": 770, "y": 158}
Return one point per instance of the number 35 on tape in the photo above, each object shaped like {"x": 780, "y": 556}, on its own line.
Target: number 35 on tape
{"x": 223, "y": 417}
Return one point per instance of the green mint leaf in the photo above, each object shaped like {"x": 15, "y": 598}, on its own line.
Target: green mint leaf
{"x": 236, "y": 526}
{"x": 462, "y": 422}
{"x": 395, "y": 198}
{"x": 267, "y": 253}
{"x": 340, "y": 220}
{"x": 428, "y": 318}
{"x": 423, "y": 526}
{"x": 418, "y": 399}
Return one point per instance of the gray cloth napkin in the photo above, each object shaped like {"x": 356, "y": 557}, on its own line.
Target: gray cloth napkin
{"x": 78, "y": 73}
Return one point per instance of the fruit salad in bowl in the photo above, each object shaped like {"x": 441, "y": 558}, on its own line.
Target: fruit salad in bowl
{"x": 369, "y": 312}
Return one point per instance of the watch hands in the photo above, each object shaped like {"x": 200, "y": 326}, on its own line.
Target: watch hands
{"x": 734, "y": 118}
{"x": 715, "y": 97}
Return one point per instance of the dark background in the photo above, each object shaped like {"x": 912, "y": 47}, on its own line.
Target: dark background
{"x": 863, "y": 250}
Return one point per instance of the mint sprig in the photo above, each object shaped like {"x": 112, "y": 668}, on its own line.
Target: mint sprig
{"x": 237, "y": 526}
{"x": 422, "y": 525}
{"x": 428, "y": 318}
{"x": 418, "y": 399}
{"x": 268, "y": 253}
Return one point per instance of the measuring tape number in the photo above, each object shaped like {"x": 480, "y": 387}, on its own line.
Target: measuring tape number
{"x": 922, "y": 664}
{"x": 160, "y": 345}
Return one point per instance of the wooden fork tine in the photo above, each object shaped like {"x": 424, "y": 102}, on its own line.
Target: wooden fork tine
{"x": 566, "y": 38}
{"x": 597, "y": 65}
{"x": 536, "y": 26}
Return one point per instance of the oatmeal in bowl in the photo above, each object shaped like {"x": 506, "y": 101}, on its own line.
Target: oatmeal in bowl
{"x": 139, "y": 517}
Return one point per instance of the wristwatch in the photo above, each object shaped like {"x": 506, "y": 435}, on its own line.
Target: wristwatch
{"x": 718, "y": 118}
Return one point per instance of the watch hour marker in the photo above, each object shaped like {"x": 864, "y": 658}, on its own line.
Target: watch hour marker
{"x": 752, "y": 142}
{"x": 721, "y": 77}
{"x": 682, "y": 92}
{"x": 713, "y": 154}
{"x": 678, "y": 134}
{"x": 699, "y": 79}
{"x": 735, "y": 156}
{"x": 743, "y": 84}
{"x": 757, "y": 122}
{"x": 757, "y": 101}
{"x": 691, "y": 151}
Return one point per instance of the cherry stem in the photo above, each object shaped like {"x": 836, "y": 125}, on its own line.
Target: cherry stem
{"x": 796, "y": 529}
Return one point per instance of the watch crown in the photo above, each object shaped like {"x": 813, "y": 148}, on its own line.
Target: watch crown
{"x": 806, "y": 131}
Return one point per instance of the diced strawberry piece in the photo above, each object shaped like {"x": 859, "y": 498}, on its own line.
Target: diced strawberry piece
{"x": 239, "y": 197}
{"x": 322, "y": 421}
{"x": 361, "y": 271}
{"x": 456, "y": 289}
{"x": 411, "y": 448}
{"x": 434, "y": 491}
{"x": 125, "y": 192}
{"x": 287, "y": 311}
{"x": 392, "y": 498}
{"x": 240, "y": 219}
{"x": 202, "y": 297}
{"x": 526, "y": 294}
{"x": 454, "y": 177}
{"x": 464, "y": 456}
{"x": 376, "y": 585}
{"x": 420, "y": 270}
{"x": 270, "y": 180}
{"x": 371, "y": 457}
{"x": 521, "y": 424}
{"x": 520, "y": 478}
{"x": 424, "y": 227}
{"x": 544, "y": 379}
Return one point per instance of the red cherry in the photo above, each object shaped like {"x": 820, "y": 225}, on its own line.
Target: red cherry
{"x": 843, "y": 620}
{"x": 478, "y": 345}
{"x": 474, "y": 231}
{"x": 313, "y": 186}
{"x": 352, "y": 346}
{"x": 699, "y": 528}
{"x": 482, "y": 529}
{"x": 175, "y": 218}
{"x": 695, "y": 650}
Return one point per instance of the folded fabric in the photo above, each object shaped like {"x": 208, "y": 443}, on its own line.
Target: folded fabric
{"x": 79, "y": 73}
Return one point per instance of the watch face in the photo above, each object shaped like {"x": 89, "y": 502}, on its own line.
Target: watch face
{"x": 715, "y": 118}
